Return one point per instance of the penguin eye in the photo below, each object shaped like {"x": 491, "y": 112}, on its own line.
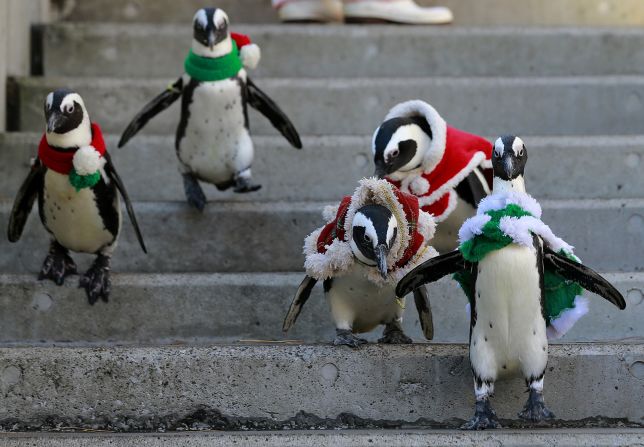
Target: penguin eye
{"x": 69, "y": 108}
{"x": 522, "y": 151}
{"x": 395, "y": 153}
{"x": 367, "y": 238}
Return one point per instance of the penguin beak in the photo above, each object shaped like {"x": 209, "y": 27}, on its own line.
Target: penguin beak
{"x": 211, "y": 40}
{"x": 54, "y": 122}
{"x": 382, "y": 251}
{"x": 381, "y": 170}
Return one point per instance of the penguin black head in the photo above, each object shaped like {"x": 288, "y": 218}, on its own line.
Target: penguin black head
{"x": 399, "y": 144}
{"x": 210, "y": 27}
{"x": 64, "y": 111}
{"x": 509, "y": 157}
{"x": 373, "y": 232}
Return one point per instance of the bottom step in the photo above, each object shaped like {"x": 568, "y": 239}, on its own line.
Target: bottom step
{"x": 348, "y": 438}
{"x": 276, "y": 386}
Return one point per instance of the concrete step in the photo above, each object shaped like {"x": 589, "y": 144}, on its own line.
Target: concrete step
{"x": 481, "y": 12}
{"x": 90, "y": 49}
{"x": 267, "y": 236}
{"x": 488, "y": 106}
{"x": 332, "y": 438}
{"x": 236, "y": 307}
{"x": 270, "y": 386}
{"x": 329, "y": 167}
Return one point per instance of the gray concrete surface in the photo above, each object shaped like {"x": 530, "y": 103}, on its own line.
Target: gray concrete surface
{"x": 136, "y": 387}
{"x": 329, "y": 167}
{"x": 345, "y": 438}
{"x": 607, "y": 105}
{"x": 268, "y": 236}
{"x": 480, "y": 12}
{"x": 234, "y": 307}
{"x": 352, "y": 51}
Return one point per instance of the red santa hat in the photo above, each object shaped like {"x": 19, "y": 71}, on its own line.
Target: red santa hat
{"x": 452, "y": 155}
{"x": 328, "y": 249}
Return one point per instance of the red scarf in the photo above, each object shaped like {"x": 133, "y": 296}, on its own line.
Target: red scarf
{"x": 62, "y": 161}
{"x": 335, "y": 230}
{"x": 460, "y": 148}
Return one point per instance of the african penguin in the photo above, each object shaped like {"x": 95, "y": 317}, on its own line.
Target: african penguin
{"x": 508, "y": 333}
{"x": 213, "y": 142}
{"x": 407, "y": 149}
{"x": 359, "y": 304}
{"x": 77, "y": 188}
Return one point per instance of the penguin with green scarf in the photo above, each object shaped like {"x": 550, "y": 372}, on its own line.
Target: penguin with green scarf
{"x": 523, "y": 284}
{"x": 213, "y": 142}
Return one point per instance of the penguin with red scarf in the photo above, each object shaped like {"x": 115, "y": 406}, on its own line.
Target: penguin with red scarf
{"x": 213, "y": 142}
{"x": 447, "y": 169}
{"x": 370, "y": 241}
{"x": 77, "y": 189}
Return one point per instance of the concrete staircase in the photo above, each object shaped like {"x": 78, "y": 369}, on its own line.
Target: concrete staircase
{"x": 191, "y": 338}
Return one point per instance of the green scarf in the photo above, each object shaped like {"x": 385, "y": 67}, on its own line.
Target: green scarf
{"x": 560, "y": 292}
{"x": 208, "y": 69}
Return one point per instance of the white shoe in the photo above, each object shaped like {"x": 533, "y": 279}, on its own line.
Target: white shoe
{"x": 312, "y": 11}
{"x": 397, "y": 11}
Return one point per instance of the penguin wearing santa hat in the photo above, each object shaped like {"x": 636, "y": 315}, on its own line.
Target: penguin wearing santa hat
{"x": 449, "y": 170}
{"x": 213, "y": 142}
{"x": 77, "y": 188}
{"x": 370, "y": 241}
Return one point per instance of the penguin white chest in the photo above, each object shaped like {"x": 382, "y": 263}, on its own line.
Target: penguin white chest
{"x": 73, "y": 216}
{"x": 217, "y": 144}
{"x": 510, "y": 331}
{"x": 360, "y": 305}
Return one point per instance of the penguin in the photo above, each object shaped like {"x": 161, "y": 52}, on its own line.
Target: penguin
{"x": 447, "y": 168}
{"x": 511, "y": 286}
{"x": 381, "y": 242}
{"x": 77, "y": 188}
{"x": 213, "y": 142}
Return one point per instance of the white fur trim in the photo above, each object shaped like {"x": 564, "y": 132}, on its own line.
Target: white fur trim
{"x": 419, "y": 186}
{"x": 250, "y": 55}
{"x": 476, "y": 161}
{"x": 438, "y": 125}
{"x": 486, "y": 164}
{"x": 452, "y": 203}
{"x": 499, "y": 201}
{"x": 321, "y": 266}
{"x": 472, "y": 227}
{"x": 87, "y": 161}
{"x": 567, "y": 319}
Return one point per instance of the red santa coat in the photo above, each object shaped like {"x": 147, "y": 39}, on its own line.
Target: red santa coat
{"x": 452, "y": 156}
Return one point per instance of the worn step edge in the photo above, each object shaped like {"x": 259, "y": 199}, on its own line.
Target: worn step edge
{"x": 332, "y": 438}
{"x": 130, "y": 388}
{"x": 215, "y": 307}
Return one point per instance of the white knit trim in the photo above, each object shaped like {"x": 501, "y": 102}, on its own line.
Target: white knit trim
{"x": 452, "y": 203}
{"x": 567, "y": 319}
{"x": 472, "y": 227}
{"x": 87, "y": 160}
{"x": 436, "y": 149}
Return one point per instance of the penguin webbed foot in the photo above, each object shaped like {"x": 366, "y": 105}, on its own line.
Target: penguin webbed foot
{"x": 57, "y": 265}
{"x": 96, "y": 281}
{"x": 535, "y": 409}
{"x": 484, "y": 417}
{"x": 345, "y": 337}
{"x": 194, "y": 194}
{"x": 244, "y": 185}
{"x": 394, "y": 335}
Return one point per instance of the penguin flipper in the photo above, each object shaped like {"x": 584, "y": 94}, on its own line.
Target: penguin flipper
{"x": 267, "y": 107}
{"x": 24, "y": 201}
{"x": 421, "y": 298}
{"x": 110, "y": 171}
{"x": 151, "y": 109}
{"x": 430, "y": 271}
{"x": 473, "y": 188}
{"x": 584, "y": 276}
{"x": 301, "y": 297}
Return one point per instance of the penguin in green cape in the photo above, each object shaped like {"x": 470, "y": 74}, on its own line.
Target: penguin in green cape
{"x": 523, "y": 285}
